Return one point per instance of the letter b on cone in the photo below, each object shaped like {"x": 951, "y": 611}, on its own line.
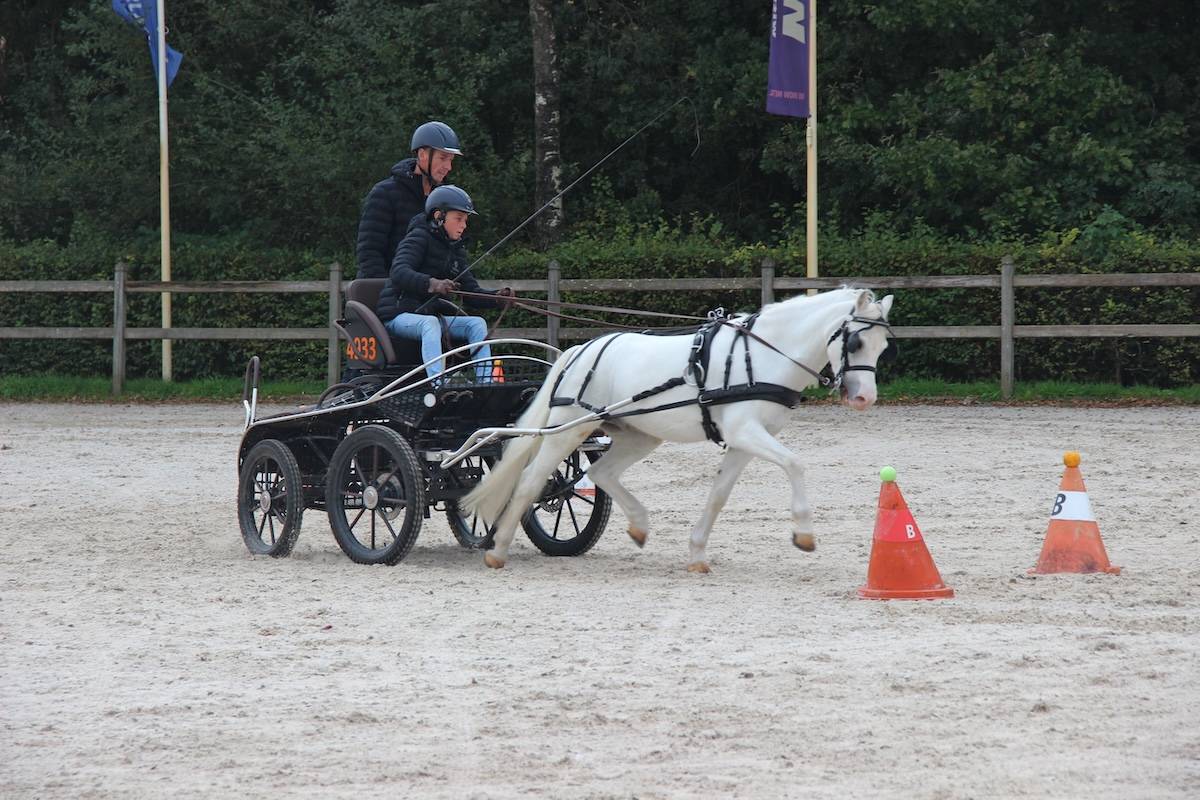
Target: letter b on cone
{"x": 901, "y": 567}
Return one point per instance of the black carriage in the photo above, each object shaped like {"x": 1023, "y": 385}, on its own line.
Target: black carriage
{"x": 374, "y": 452}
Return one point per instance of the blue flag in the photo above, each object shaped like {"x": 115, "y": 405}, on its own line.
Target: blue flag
{"x": 144, "y": 15}
{"x": 787, "y": 75}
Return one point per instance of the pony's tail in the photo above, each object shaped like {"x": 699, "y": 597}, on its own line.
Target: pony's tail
{"x": 492, "y": 494}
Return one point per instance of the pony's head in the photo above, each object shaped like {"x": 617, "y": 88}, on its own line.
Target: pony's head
{"x": 855, "y": 347}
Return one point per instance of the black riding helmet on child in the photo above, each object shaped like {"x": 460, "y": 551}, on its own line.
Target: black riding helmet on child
{"x": 447, "y": 198}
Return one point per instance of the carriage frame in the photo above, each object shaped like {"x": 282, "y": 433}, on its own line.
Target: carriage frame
{"x": 376, "y": 453}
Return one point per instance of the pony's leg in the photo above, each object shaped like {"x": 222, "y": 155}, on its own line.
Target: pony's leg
{"x": 628, "y": 447}
{"x": 755, "y": 440}
{"x": 732, "y": 464}
{"x": 554, "y": 449}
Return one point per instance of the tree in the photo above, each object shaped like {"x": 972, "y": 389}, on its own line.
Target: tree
{"x": 547, "y": 159}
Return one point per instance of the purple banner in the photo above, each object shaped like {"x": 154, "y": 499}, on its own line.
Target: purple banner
{"x": 787, "y": 76}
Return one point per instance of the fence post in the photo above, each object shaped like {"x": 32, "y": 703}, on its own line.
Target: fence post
{"x": 335, "y": 311}
{"x": 1007, "y": 319}
{"x": 553, "y": 273}
{"x": 118, "y": 365}
{"x": 768, "y": 280}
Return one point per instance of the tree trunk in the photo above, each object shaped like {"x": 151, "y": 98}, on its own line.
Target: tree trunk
{"x": 547, "y": 155}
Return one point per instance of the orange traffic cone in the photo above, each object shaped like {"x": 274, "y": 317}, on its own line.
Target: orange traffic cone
{"x": 497, "y": 371}
{"x": 584, "y": 486}
{"x": 1073, "y": 542}
{"x": 901, "y": 567}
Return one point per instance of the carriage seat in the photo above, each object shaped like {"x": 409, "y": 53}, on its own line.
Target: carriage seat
{"x": 368, "y": 343}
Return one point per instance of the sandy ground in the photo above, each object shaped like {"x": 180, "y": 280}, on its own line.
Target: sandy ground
{"x": 145, "y": 653}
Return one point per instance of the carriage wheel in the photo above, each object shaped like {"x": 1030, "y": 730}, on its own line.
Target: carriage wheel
{"x": 471, "y": 533}
{"x": 375, "y": 495}
{"x": 270, "y": 499}
{"x": 567, "y": 520}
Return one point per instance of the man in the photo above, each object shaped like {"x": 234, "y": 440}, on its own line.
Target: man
{"x": 429, "y": 264}
{"x": 394, "y": 201}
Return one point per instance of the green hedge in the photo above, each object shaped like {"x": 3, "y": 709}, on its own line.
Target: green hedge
{"x": 695, "y": 249}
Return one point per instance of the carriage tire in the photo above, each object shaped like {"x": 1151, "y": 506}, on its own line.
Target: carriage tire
{"x": 586, "y": 535}
{"x": 394, "y": 510}
{"x": 470, "y": 534}
{"x": 466, "y": 532}
{"x": 270, "y": 458}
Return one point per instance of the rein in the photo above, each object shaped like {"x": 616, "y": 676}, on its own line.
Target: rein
{"x": 716, "y": 317}
{"x": 526, "y": 302}
{"x": 824, "y": 382}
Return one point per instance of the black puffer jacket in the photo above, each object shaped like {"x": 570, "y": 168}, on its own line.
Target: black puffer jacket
{"x": 389, "y": 206}
{"x": 426, "y": 252}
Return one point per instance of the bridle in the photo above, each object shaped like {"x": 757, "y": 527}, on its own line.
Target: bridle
{"x": 851, "y": 342}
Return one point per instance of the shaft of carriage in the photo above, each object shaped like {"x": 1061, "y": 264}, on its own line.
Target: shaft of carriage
{"x": 485, "y": 436}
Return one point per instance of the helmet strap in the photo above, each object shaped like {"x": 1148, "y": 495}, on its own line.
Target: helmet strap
{"x": 427, "y": 181}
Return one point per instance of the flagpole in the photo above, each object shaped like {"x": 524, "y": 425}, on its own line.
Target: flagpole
{"x": 810, "y": 140}
{"x": 164, "y": 186}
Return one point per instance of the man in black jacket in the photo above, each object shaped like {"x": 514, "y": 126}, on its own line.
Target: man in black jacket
{"x": 429, "y": 264}
{"x": 392, "y": 203}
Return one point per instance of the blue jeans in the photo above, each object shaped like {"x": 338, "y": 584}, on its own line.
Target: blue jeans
{"x": 427, "y": 329}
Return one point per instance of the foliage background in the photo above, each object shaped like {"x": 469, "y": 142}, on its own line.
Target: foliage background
{"x": 952, "y": 132}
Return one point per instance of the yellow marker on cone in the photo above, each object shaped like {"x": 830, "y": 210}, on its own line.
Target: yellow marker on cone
{"x": 1073, "y": 542}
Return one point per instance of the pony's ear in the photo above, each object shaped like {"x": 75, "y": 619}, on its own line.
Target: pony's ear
{"x": 885, "y": 305}
{"x": 861, "y": 302}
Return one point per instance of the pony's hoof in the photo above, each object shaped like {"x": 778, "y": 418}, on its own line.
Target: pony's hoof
{"x": 638, "y": 535}
{"x": 805, "y": 541}
{"x": 699, "y": 566}
{"x": 492, "y": 561}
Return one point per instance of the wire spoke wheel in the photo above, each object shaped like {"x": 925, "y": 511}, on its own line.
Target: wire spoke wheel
{"x": 270, "y": 499}
{"x": 571, "y": 513}
{"x": 471, "y": 533}
{"x": 375, "y": 495}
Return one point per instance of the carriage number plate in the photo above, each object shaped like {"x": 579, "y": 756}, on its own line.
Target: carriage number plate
{"x": 362, "y": 348}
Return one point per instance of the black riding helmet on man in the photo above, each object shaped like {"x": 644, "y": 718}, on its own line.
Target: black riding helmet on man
{"x": 394, "y": 201}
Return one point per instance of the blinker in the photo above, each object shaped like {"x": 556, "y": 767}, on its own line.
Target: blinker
{"x": 890, "y": 352}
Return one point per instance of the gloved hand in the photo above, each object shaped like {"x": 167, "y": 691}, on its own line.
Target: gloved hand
{"x": 442, "y": 286}
{"x": 507, "y": 296}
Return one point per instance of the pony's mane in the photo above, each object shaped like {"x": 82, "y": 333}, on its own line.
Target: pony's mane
{"x": 843, "y": 294}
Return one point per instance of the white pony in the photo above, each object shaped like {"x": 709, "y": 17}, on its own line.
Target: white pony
{"x": 788, "y": 343}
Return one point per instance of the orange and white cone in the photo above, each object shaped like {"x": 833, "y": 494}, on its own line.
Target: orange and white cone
{"x": 584, "y": 486}
{"x": 1073, "y": 542}
{"x": 497, "y": 371}
{"x": 901, "y": 567}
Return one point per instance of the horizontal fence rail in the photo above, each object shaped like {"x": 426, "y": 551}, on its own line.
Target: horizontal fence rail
{"x": 554, "y": 287}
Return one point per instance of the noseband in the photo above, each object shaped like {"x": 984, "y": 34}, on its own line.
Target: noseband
{"x": 851, "y": 342}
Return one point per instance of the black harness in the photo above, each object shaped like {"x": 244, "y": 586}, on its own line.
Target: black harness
{"x": 695, "y": 373}
{"x": 699, "y": 360}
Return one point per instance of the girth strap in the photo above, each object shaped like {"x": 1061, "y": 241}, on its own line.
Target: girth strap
{"x": 697, "y": 368}
{"x": 772, "y": 392}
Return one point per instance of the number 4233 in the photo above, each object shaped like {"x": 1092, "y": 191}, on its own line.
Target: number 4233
{"x": 361, "y": 348}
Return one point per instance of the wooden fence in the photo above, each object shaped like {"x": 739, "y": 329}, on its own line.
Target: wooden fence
{"x": 1007, "y": 331}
